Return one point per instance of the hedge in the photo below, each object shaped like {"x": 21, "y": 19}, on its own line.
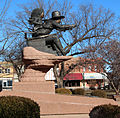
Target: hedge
{"x": 63, "y": 91}
{"x": 18, "y": 107}
{"x": 99, "y": 93}
{"x": 105, "y": 111}
{"x": 78, "y": 91}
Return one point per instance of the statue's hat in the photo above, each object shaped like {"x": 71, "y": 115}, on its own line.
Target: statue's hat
{"x": 57, "y": 15}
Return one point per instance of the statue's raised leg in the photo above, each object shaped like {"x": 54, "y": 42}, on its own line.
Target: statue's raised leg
{"x": 55, "y": 43}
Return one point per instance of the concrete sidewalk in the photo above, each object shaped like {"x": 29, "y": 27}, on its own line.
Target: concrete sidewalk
{"x": 67, "y": 116}
{"x": 71, "y": 106}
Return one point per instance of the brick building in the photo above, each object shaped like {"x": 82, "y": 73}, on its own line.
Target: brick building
{"x": 87, "y": 74}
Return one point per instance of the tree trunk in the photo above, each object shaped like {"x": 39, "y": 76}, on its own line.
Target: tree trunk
{"x": 116, "y": 90}
{"x": 56, "y": 74}
{"x": 59, "y": 82}
{"x": 59, "y": 76}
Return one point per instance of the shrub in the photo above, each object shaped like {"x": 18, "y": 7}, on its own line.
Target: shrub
{"x": 92, "y": 88}
{"x": 79, "y": 91}
{"x": 63, "y": 91}
{"x": 99, "y": 93}
{"x": 18, "y": 107}
{"x": 105, "y": 111}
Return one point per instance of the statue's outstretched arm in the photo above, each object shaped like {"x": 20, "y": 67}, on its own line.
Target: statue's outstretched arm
{"x": 63, "y": 27}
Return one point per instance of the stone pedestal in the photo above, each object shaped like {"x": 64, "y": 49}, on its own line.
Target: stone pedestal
{"x": 31, "y": 75}
{"x": 37, "y": 65}
{"x": 35, "y": 87}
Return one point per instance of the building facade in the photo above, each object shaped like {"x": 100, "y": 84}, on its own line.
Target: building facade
{"x": 6, "y": 75}
{"x": 87, "y": 74}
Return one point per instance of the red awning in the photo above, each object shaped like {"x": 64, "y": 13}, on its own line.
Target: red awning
{"x": 73, "y": 76}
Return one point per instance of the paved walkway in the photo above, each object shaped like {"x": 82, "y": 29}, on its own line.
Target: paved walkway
{"x": 67, "y": 116}
{"x": 70, "y": 115}
{"x": 61, "y": 104}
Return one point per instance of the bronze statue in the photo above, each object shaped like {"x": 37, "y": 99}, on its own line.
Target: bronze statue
{"x": 36, "y": 20}
{"x": 43, "y": 28}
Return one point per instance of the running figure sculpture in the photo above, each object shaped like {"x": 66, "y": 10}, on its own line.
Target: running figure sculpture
{"x": 43, "y": 28}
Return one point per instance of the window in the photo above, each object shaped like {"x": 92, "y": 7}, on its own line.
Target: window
{"x": 89, "y": 68}
{"x": 7, "y": 70}
{"x": 72, "y": 83}
{"x": 9, "y": 82}
{"x": 1, "y": 71}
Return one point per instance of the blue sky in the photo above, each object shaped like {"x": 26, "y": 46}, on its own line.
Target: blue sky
{"x": 113, "y": 5}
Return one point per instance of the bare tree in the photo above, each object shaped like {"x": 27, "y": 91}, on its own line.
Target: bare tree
{"x": 3, "y": 37}
{"x": 110, "y": 53}
{"x": 14, "y": 56}
{"x": 94, "y": 26}
{"x": 4, "y": 9}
